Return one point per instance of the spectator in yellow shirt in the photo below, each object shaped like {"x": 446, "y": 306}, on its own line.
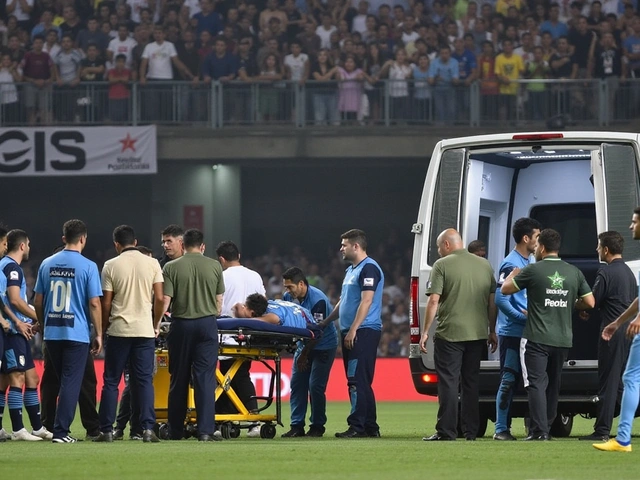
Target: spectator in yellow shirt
{"x": 509, "y": 68}
{"x": 502, "y": 6}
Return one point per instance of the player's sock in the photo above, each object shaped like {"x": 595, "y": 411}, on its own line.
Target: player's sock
{"x": 15, "y": 408}
{"x": 32, "y": 405}
{"x": 3, "y": 401}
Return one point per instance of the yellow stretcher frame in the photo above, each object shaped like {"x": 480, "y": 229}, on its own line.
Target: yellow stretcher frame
{"x": 230, "y": 422}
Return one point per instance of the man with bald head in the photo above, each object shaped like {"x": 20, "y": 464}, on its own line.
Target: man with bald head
{"x": 461, "y": 293}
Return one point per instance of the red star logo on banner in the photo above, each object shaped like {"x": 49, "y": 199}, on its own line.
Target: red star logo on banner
{"x": 128, "y": 143}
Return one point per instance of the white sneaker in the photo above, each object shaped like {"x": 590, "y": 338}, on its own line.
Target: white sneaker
{"x": 4, "y": 435}
{"x": 217, "y": 434}
{"x": 23, "y": 435}
{"x": 254, "y": 432}
{"x": 66, "y": 439}
{"x": 43, "y": 433}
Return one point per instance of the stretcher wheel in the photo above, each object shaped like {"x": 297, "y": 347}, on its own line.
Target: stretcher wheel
{"x": 225, "y": 430}
{"x": 234, "y": 431}
{"x": 163, "y": 431}
{"x": 267, "y": 431}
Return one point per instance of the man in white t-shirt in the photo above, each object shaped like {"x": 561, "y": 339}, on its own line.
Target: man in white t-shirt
{"x": 359, "y": 22}
{"x": 159, "y": 56}
{"x": 239, "y": 281}
{"x": 193, "y": 6}
{"x": 122, "y": 44}
{"x": 325, "y": 30}
{"x": 297, "y": 63}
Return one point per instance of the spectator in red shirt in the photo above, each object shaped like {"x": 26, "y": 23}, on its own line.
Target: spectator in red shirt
{"x": 119, "y": 78}
{"x": 39, "y": 72}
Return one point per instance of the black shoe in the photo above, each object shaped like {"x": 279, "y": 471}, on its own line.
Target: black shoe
{"x": 470, "y": 439}
{"x": 294, "y": 432}
{"x": 351, "y": 433}
{"x": 436, "y": 437}
{"x": 373, "y": 434}
{"x": 118, "y": 434}
{"x": 149, "y": 436}
{"x": 90, "y": 436}
{"x": 538, "y": 438}
{"x": 595, "y": 437}
{"x": 106, "y": 437}
{"x": 506, "y": 435}
{"x": 209, "y": 438}
{"x": 315, "y": 432}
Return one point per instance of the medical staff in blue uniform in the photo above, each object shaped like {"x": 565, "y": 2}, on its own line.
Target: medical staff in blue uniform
{"x": 311, "y": 364}
{"x": 512, "y": 316}
{"x": 360, "y": 312}
{"x": 67, "y": 301}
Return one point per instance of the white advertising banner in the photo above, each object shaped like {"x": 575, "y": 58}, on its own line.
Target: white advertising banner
{"x": 69, "y": 151}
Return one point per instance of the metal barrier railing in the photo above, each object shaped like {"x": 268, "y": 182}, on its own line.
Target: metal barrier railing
{"x": 330, "y": 103}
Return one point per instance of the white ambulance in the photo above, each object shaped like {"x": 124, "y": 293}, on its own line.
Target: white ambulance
{"x": 578, "y": 183}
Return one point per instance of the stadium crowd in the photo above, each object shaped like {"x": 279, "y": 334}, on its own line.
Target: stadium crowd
{"x": 344, "y": 51}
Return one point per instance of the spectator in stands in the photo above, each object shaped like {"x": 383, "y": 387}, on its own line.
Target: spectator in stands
{"x": 92, "y": 35}
{"x": 68, "y": 68}
{"x": 563, "y": 66}
{"x": 193, "y": 99}
{"x": 480, "y": 33}
{"x": 373, "y": 63}
{"x": 142, "y": 38}
{"x": 350, "y": 90}
{"x": 443, "y": 76}
{"x": 275, "y": 31}
{"x": 467, "y": 21}
{"x": 10, "y": 73}
{"x": 631, "y": 47}
{"x": 208, "y": 19}
{"x": 136, "y": 8}
{"x": 72, "y": 24}
{"x": 270, "y": 12}
{"x": 158, "y": 59}
{"x": 296, "y": 66}
{"x": 270, "y": 47}
{"x": 468, "y": 72}
{"x": 359, "y": 20}
{"x": 219, "y": 65}
{"x": 537, "y": 68}
{"x": 610, "y": 67}
{"x": 21, "y": 9}
{"x": 46, "y": 24}
{"x": 51, "y": 45}
{"x": 122, "y": 44}
{"x": 14, "y": 50}
{"x": 270, "y": 106}
{"x": 548, "y": 49}
{"x": 119, "y": 78}
{"x": 398, "y": 71}
{"x": 509, "y": 69}
{"x": 422, "y": 90}
{"x": 554, "y": 26}
{"x": 324, "y": 90}
{"x": 325, "y": 30}
{"x": 525, "y": 50}
{"x": 295, "y": 20}
{"x": 92, "y": 69}
{"x": 596, "y": 17}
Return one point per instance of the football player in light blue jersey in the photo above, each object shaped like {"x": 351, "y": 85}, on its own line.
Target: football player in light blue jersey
{"x": 67, "y": 301}
{"x": 18, "y": 362}
{"x": 277, "y": 312}
{"x": 311, "y": 364}
{"x": 360, "y": 312}
{"x": 512, "y": 317}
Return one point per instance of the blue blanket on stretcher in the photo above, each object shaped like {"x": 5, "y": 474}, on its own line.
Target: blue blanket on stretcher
{"x": 311, "y": 332}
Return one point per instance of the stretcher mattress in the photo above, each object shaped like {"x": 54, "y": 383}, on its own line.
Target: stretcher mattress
{"x": 235, "y": 324}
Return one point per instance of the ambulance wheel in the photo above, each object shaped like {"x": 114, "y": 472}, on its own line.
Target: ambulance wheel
{"x": 225, "y": 430}
{"x": 234, "y": 431}
{"x": 561, "y": 426}
{"x": 267, "y": 431}
{"x": 163, "y": 431}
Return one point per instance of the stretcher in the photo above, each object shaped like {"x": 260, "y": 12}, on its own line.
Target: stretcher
{"x": 256, "y": 341}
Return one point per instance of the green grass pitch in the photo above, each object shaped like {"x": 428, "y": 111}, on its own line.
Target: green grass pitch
{"x": 399, "y": 454}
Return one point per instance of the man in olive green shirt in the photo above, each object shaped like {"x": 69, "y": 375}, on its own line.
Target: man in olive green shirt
{"x": 554, "y": 289}
{"x": 194, "y": 285}
{"x": 461, "y": 291}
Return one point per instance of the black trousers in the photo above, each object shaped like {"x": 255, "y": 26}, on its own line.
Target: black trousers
{"x": 458, "y": 368}
{"x": 612, "y": 360}
{"x": 241, "y": 384}
{"x": 129, "y": 409}
{"x": 50, "y": 386}
{"x": 193, "y": 356}
{"x": 542, "y": 373}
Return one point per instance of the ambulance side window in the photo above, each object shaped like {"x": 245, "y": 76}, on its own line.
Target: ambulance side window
{"x": 447, "y": 198}
{"x": 622, "y": 187}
